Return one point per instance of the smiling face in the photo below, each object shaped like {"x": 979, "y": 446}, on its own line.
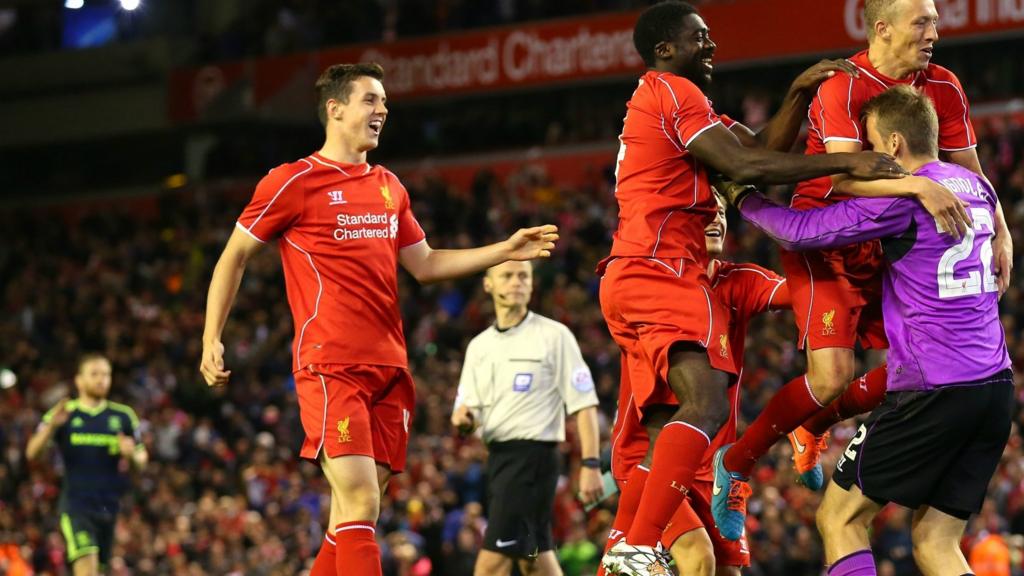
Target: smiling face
{"x": 361, "y": 118}
{"x": 910, "y": 30}
{"x": 714, "y": 233}
{"x": 690, "y": 54}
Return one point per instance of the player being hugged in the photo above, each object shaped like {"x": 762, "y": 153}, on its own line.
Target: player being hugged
{"x": 343, "y": 226}
{"x": 934, "y": 443}
{"x": 837, "y": 292}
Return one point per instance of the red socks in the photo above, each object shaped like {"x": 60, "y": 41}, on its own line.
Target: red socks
{"x": 677, "y": 455}
{"x": 862, "y": 395}
{"x": 325, "y": 563}
{"x": 787, "y": 410}
{"x": 357, "y": 550}
{"x": 629, "y": 499}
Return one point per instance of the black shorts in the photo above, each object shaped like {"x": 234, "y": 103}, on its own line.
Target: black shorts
{"x": 937, "y": 448}
{"x": 88, "y": 532}
{"x": 521, "y": 479}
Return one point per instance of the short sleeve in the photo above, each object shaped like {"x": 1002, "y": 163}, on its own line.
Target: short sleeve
{"x": 409, "y": 229}
{"x": 832, "y": 111}
{"x": 277, "y": 202}
{"x": 577, "y": 382}
{"x": 751, "y": 289}
{"x": 689, "y": 109}
{"x": 131, "y": 421}
{"x": 955, "y": 129}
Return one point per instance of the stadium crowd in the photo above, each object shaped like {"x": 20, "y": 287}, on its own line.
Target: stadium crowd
{"x": 225, "y": 492}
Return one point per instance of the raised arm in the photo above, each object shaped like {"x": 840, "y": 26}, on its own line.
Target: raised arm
{"x": 39, "y": 443}
{"x": 840, "y": 224}
{"x": 782, "y": 130}
{"x": 428, "y": 265}
{"x": 227, "y": 276}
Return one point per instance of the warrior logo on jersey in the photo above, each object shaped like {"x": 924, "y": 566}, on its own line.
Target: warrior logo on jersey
{"x": 343, "y": 434}
{"x": 827, "y": 320}
{"x": 389, "y": 204}
{"x": 337, "y": 197}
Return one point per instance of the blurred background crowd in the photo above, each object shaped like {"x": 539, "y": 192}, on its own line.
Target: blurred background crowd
{"x": 122, "y": 268}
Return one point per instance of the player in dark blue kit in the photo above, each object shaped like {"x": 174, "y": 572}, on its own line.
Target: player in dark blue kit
{"x": 98, "y": 441}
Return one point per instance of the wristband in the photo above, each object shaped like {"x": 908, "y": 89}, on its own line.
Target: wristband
{"x": 591, "y": 463}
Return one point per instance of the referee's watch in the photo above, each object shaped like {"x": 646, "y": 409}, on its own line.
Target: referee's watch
{"x": 591, "y": 463}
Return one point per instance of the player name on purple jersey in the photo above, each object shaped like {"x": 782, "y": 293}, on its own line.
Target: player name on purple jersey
{"x": 940, "y": 300}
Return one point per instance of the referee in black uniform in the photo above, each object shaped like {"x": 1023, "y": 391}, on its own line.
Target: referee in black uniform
{"x": 98, "y": 441}
{"x": 519, "y": 379}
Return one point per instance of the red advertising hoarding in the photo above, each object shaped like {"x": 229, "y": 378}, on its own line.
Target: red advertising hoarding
{"x": 556, "y": 52}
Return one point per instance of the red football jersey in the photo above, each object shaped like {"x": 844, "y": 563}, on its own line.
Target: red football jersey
{"x": 834, "y": 114}
{"x": 664, "y": 197}
{"x": 340, "y": 228}
{"x": 748, "y": 290}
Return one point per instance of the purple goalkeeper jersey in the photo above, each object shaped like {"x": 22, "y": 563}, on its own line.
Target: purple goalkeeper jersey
{"x": 940, "y": 301}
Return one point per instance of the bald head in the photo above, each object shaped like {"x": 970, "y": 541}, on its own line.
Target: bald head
{"x": 510, "y": 283}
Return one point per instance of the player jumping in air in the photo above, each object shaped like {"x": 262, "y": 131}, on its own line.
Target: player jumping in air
{"x": 655, "y": 294}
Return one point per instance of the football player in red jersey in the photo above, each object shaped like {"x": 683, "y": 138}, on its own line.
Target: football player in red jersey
{"x": 655, "y": 294}
{"x": 696, "y": 545}
{"x": 343, "y": 226}
{"x": 836, "y": 293}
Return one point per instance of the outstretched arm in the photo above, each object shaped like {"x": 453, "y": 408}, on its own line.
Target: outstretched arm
{"x": 840, "y": 224}
{"x": 428, "y": 265}
{"x": 719, "y": 148}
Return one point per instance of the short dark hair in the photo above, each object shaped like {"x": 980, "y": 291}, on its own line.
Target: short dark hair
{"x": 88, "y": 357}
{"x": 660, "y": 23}
{"x": 336, "y": 82}
{"x": 909, "y": 112}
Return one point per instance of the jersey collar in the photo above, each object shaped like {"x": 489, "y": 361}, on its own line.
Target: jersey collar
{"x": 346, "y": 169}
{"x": 92, "y": 411}
{"x": 513, "y": 327}
{"x": 862, "y": 61}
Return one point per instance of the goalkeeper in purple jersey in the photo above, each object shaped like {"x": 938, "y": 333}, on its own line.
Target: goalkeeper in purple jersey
{"x": 935, "y": 442}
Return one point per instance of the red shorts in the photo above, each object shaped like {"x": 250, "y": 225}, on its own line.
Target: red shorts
{"x": 837, "y": 293}
{"x": 649, "y": 305}
{"x": 356, "y": 409}
{"x": 695, "y": 513}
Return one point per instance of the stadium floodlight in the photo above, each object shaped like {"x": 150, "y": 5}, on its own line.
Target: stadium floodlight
{"x": 130, "y": 4}
{"x": 74, "y": 4}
